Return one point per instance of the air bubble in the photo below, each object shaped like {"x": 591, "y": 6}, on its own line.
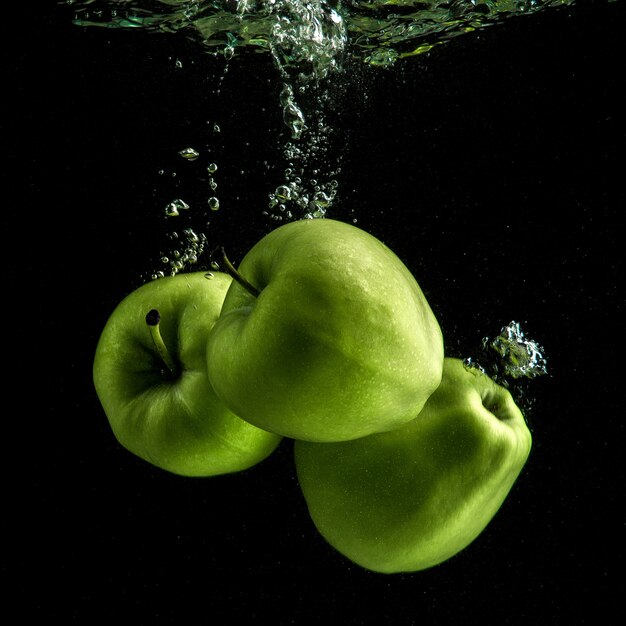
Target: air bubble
{"x": 189, "y": 153}
{"x": 173, "y": 208}
{"x": 214, "y": 203}
{"x": 191, "y": 236}
{"x": 321, "y": 200}
{"x": 471, "y": 365}
{"x": 283, "y": 192}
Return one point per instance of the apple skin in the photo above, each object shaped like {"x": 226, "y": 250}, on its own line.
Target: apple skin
{"x": 339, "y": 344}
{"x": 406, "y": 500}
{"x": 175, "y": 423}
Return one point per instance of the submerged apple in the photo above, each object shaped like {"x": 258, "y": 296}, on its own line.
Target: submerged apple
{"x": 409, "y": 499}
{"x": 326, "y": 337}
{"x": 150, "y": 375}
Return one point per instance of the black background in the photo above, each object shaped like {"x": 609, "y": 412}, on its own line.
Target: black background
{"x": 490, "y": 166}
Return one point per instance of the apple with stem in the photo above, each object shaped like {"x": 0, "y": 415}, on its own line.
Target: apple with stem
{"x": 325, "y": 335}
{"x": 408, "y": 499}
{"x": 150, "y": 375}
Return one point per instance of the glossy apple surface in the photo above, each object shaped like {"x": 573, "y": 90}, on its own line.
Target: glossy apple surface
{"x": 409, "y": 499}
{"x": 174, "y": 421}
{"x": 340, "y": 343}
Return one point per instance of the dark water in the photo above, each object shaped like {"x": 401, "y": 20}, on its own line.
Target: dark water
{"x": 489, "y": 165}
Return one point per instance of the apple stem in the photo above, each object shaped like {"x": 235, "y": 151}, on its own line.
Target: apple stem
{"x": 230, "y": 269}
{"x": 153, "y": 319}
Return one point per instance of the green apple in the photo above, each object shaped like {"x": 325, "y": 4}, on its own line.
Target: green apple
{"x": 325, "y": 336}
{"x": 150, "y": 375}
{"x": 409, "y": 499}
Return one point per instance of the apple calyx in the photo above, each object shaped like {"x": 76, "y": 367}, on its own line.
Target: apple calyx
{"x": 499, "y": 403}
{"x": 235, "y": 275}
{"x": 153, "y": 319}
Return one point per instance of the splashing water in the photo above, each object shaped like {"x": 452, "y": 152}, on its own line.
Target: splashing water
{"x": 510, "y": 359}
{"x": 309, "y": 35}
{"x": 519, "y": 356}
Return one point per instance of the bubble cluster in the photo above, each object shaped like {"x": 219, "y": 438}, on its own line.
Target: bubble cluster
{"x": 510, "y": 355}
{"x": 296, "y": 199}
{"x": 519, "y": 357}
{"x": 308, "y": 36}
{"x": 188, "y": 248}
{"x": 309, "y": 183}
